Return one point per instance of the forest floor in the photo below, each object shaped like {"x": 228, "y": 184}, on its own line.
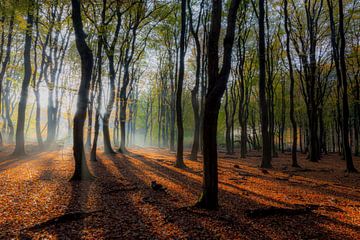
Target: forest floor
{"x": 37, "y": 201}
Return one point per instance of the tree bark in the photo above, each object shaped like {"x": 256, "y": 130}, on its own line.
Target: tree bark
{"x": 216, "y": 88}
{"x": 81, "y": 169}
{"x": 345, "y": 104}
{"x": 180, "y": 128}
{"x": 266, "y": 141}
{"x": 20, "y": 138}
{"x": 292, "y": 82}
{"x": 195, "y": 91}
{"x": 6, "y": 61}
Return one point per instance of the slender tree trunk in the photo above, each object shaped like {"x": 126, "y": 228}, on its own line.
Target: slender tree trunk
{"x": 106, "y": 118}
{"x": 99, "y": 96}
{"x": 292, "y": 83}
{"x": 20, "y": 138}
{"x": 81, "y": 169}
{"x": 180, "y": 128}
{"x": 266, "y": 141}
{"x": 6, "y": 61}
{"x": 345, "y": 104}
{"x": 195, "y": 91}
{"x": 227, "y": 124}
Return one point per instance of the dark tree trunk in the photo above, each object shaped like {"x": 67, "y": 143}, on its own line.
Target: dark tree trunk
{"x": 283, "y": 118}
{"x": 300, "y": 139}
{"x": 357, "y": 117}
{"x": 227, "y": 123}
{"x": 217, "y": 85}
{"x": 345, "y": 104}
{"x": 20, "y": 138}
{"x": 99, "y": 96}
{"x": 81, "y": 169}
{"x": 91, "y": 106}
{"x": 123, "y": 105}
{"x": 323, "y": 147}
{"x": 179, "y": 121}
{"x": 195, "y": 91}
{"x": 266, "y": 141}
{"x": 292, "y": 82}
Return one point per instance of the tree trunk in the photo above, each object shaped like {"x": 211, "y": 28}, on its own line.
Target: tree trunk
{"x": 99, "y": 96}
{"x": 6, "y": 61}
{"x": 180, "y": 128}
{"x": 292, "y": 83}
{"x": 81, "y": 169}
{"x": 266, "y": 141}
{"x": 345, "y": 104}
{"x": 217, "y": 85}
{"x": 106, "y": 118}
{"x": 20, "y": 138}
{"x": 195, "y": 91}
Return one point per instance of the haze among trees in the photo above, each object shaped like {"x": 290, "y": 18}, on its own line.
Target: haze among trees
{"x": 178, "y": 108}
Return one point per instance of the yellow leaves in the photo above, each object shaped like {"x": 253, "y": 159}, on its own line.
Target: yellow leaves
{"x": 21, "y": 22}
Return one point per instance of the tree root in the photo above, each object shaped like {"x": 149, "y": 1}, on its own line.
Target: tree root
{"x": 67, "y": 217}
{"x": 120, "y": 190}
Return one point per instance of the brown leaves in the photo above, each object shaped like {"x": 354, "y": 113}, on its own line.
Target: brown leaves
{"x": 35, "y": 195}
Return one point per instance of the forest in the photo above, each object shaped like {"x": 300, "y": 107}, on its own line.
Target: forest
{"x": 179, "y": 119}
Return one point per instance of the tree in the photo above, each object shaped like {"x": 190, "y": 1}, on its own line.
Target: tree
{"x": 217, "y": 84}
{"x": 266, "y": 153}
{"x": 81, "y": 169}
{"x": 345, "y": 103}
{"x": 179, "y": 117}
{"x": 20, "y": 137}
{"x": 195, "y": 91}
{"x": 110, "y": 50}
{"x": 99, "y": 86}
{"x": 292, "y": 82}
{"x": 6, "y": 60}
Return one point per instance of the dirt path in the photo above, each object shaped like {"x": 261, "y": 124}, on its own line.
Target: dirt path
{"x": 36, "y": 199}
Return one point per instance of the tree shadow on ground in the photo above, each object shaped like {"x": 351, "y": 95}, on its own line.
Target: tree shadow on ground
{"x": 229, "y": 207}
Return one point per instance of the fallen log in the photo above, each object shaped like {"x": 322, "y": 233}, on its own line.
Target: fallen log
{"x": 276, "y": 211}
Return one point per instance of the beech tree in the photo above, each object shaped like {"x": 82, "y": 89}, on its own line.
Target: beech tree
{"x": 81, "y": 169}
{"x": 20, "y": 138}
{"x": 216, "y": 88}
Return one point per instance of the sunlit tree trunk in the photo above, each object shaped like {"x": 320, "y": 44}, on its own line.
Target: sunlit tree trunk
{"x": 6, "y": 61}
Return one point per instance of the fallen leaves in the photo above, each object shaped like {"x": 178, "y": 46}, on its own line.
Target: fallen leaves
{"x": 38, "y": 201}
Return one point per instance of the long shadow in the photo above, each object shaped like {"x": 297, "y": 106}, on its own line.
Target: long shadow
{"x": 79, "y": 193}
{"x": 120, "y": 218}
{"x": 174, "y": 212}
{"x": 195, "y": 186}
{"x": 318, "y": 188}
{"x": 143, "y": 157}
{"x": 313, "y": 217}
{"x": 10, "y": 160}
